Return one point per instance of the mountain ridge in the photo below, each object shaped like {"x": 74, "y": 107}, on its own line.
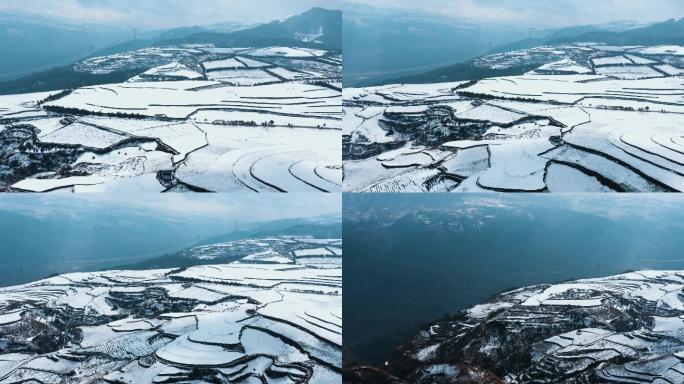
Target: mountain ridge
{"x": 662, "y": 33}
{"x": 315, "y": 28}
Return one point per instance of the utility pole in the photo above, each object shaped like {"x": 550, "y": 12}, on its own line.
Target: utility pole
{"x": 135, "y": 33}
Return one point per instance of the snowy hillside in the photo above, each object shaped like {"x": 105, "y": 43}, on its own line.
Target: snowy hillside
{"x": 203, "y": 118}
{"x": 627, "y": 328}
{"x": 589, "y": 118}
{"x": 273, "y": 316}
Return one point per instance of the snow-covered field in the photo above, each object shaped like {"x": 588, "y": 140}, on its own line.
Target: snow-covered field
{"x": 590, "y": 118}
{"x": 269, "y": 317}
{"x": 627, "y": 328}
{"x": 200, "y": 119}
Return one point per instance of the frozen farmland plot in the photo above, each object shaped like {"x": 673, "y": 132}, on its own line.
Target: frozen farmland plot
{"x": 200, "y": 118}
{"x": 269, "y": 317}
{"x": 588, "y": 118}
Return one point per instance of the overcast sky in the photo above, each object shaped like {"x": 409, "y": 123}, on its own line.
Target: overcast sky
{"x": 544, "y": 13}
{"x": 166, "y": 13}
{"x": 175, "y": 206}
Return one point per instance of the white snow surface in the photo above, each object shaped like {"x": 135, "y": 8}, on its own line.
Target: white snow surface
{"x": 590, "y": 118}
{"x": 199, "y": 119}
{"x": 243, "y": 315}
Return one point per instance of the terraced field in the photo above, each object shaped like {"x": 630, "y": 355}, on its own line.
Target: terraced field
{"x": 627, "y": 328}
{"x": 590, "y": 118}
{"x": 196, "y": 118}
{"x": 273, "y": 316}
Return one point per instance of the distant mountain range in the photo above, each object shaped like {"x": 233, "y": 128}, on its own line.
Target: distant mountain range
{"x": 36, "y": 50}
{"x": 150, "y": 38}
{"x": 33, "y": 43}
{"x": 620, "y": 33}
{"x": 666, "y": 32}
{"x": 394, "y": 45}
{"x": 322, "y": 227}
{"x": 388, "y": 43}
{"x": 34, "y": 248}
{"x": 315, "y": 27}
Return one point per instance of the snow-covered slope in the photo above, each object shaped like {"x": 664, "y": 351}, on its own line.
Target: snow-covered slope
{"x": 626, "y": 328}
{"x": 589, "y": 118}
{"x": 203, "y": 118}
{"x": 271, "y": 317}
